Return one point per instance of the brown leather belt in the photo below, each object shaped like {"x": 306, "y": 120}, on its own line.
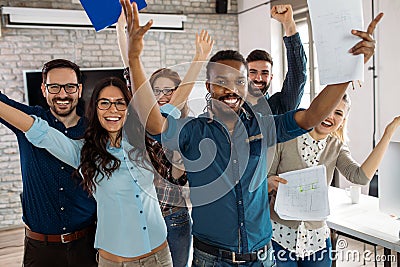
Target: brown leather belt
{"x": 111, "y": 257}
{"x": 64, "y": 238}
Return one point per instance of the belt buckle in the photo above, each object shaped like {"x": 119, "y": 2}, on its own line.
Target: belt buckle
{"x": 63, "y": 240}
{"x": 234, "y": 258}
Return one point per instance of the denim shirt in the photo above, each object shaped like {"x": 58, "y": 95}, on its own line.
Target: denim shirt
{"x": 129, "y": 221}
{"x": 53, "y": 202}
{"x": 227, "y": 175}
{"x": 289, "y": 97}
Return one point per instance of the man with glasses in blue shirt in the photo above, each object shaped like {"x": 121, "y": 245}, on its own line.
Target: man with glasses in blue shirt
{"x": 58, "y": 214}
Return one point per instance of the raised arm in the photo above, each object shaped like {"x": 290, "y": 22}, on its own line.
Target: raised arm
{"x": 121, "y": 38}
{"x": 284, "y": 14}
{"x": 204, "y": 44}
{"x": 143, "y": 101}
{"x": 15, "y": 117}
{"x": 371, "y": 164}
{"x": 289, "y": 97}
{"x": 329, "y": 98}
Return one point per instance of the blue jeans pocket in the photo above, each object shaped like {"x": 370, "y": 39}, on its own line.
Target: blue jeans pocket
{"x": 178, "y": 219}
{"x": 202, "y": 259}
{"x": 179, "y": 236}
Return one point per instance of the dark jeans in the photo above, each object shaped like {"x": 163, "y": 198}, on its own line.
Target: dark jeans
{"x": 179, "y": 236}
{"x": 285, "y": 258}
{"x": 203, "y": 259}
{"x": 78, "y": 253}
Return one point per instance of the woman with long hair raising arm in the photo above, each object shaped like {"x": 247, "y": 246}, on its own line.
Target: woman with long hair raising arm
{"x": 130, "y": 226}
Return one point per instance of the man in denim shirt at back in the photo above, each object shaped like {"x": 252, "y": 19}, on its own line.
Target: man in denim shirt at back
{"x": 260, "y": 66}
{"x": 59, "y": 215}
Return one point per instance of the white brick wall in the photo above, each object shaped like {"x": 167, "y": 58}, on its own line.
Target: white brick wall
{"x": 26, "y": 49}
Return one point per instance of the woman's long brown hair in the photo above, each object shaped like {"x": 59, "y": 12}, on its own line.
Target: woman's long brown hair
{"x": 96, "y": 161}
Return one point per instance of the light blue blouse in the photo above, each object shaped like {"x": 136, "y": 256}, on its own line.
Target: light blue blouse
{"x": 129, "y": 221}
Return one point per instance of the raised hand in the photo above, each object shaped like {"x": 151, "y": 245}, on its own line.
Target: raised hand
{"x": 367, "y": 45}
{"x": 204, "y": 45}
{"x": 134, "y": 31}
{"x": 371, "y": 164}
{"x": 392, "y": 126}
{"x": 284, "y": 14}
{"x": 121, "y": 38}
{"x": 144, "y": 101}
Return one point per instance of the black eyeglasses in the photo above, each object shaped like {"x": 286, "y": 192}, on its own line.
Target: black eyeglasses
{"x": 55, "y": 88}
{"x": 165, "y": 91}
{"x": 104, "y": 104}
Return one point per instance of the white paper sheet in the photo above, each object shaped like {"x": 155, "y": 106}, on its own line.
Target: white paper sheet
{"x": 305, "y": 196}
{"x": 332, "y": 22}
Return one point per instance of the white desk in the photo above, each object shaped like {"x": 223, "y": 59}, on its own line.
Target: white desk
{"x": 363, "y": 221}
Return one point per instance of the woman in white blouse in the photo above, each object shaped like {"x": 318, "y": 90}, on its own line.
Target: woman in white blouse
{"x": 307, "y": 243}
{"x": 116, "y": 169}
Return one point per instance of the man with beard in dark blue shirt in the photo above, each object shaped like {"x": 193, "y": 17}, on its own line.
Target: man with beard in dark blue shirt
{"x": 59, "y": 215}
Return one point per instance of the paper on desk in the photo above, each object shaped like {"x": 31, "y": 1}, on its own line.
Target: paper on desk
{"x": 305, "y": 196}
{"x": 332, "y": 22}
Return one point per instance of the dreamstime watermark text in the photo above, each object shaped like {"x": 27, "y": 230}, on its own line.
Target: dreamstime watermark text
{"x": 341, "y": 253}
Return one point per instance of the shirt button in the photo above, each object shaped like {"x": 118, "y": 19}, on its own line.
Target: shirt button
{"x": 235, "y": 161}
{"x": 239, "y": 202}
{"x": 65, "y": 131}
{"x": 135, "y": 181}
{"x": 137, "y": 195}
{"x": 131, "y": 168}
{"x": 64, "y": 228}
{"x": 144, "y": 228}
{"x": 62, "y": 167}
{"x": 62, "y": 208}
{"x": 61, "y": 189}
{"x": 241, "y": 224}
{"x": 141, "y": 211}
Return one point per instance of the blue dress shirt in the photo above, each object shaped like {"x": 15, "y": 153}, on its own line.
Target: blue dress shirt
{"x": 53, "y": 202}
{"x": 227, "y": 175}
{"x": 129, "y": 222}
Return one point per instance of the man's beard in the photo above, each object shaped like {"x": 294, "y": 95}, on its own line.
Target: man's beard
{"x": 62, "y": 112}
{"x": 264, "y": 87}
{"x": 222, "y": 109}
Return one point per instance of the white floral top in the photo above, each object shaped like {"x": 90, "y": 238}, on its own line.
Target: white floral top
{"x": 301, "y": 241}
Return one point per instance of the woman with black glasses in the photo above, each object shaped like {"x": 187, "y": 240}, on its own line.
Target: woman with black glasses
{"x": 116, "y": 169}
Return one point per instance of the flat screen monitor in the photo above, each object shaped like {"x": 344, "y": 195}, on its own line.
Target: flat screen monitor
{"x": 33, "y": 81}
{"x": 389, "y": 181}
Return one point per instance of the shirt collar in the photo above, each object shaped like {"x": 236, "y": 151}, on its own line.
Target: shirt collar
{"x": 309, "y": 140}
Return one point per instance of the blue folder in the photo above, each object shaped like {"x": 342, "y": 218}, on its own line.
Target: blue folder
{"x": 104, "y": 13}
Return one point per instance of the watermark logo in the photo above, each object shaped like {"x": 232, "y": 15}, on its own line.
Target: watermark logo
{"x": 342, "y": 253}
